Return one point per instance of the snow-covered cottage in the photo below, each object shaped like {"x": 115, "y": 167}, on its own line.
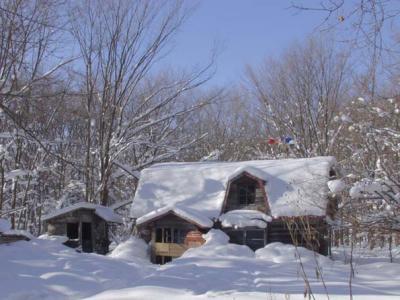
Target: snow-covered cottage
{"x": 254, "y": 202}
{"x": 84, "y": 224}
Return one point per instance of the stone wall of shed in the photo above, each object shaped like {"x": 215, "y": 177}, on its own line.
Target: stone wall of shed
{"x": 100, "y": 241}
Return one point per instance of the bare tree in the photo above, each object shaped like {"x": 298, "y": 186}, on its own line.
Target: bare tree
{"x": 366, "y": 22}
{"x": 233, "y": 131}
{"x": 120, "y": 41}
{"x": 300, "y": 94}
{"x": 369, "y": 28}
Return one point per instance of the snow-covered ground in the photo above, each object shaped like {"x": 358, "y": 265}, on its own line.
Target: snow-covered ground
{"x": 44, "y": 269}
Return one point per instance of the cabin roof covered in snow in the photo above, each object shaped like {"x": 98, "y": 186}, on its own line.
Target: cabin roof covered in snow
{"x": 294, "y": 187}
{"x": 107, "y": 214}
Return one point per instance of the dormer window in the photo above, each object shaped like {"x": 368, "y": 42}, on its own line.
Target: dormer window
{"x": 247, "y": 193}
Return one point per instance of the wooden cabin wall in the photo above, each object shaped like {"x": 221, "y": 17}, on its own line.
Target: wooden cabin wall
{"x": 308, "y": 233}
{"x": 311, "y": 234}
{"x": 148, "y": 233}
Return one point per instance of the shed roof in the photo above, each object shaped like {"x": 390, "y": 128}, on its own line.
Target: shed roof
{"x": 294, "y": 187}
{"x": 103, "y": 212}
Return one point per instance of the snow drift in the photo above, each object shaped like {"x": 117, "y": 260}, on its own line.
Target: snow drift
{"x": 131, "y": 250}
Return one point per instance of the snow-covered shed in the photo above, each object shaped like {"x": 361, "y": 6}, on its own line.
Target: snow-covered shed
{"x": 85, "y": 224}
{"x": 246, "y": 199}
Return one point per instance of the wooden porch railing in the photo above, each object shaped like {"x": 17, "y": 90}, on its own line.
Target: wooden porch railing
{"x": 169, "y": 249}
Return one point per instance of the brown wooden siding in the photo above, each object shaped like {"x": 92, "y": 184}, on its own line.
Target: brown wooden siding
{"x": 308, "y": 232}
{"x": 170, "y": 221}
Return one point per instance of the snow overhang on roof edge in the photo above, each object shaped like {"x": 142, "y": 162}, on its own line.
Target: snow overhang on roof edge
{"x": 103, "y": 212}
{"x": 294, "y": 187}
{"x": 191, "y": 217}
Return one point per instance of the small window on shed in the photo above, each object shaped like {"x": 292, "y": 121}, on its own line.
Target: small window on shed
{"x": 73, "y": 230}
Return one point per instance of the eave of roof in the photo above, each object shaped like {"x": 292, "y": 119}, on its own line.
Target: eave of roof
{"x": 191, "y": 217}
{"x": 102, "y": 212}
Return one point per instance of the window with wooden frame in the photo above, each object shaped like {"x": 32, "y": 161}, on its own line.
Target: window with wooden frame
{"x": 170, "y": 235}
{"x": 247, "y": 193}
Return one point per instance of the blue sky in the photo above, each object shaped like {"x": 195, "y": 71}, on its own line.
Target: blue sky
{"x": 245, "y": 31}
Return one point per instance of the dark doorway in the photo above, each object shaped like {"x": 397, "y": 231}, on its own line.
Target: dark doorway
{"x": 73, "y": 235}
{"x": 73, "y": 230}
{"x": 160, "y": 260}
{"x": 87, "y": 245}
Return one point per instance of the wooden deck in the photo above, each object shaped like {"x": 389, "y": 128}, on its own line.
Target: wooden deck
{"x": 169, "y": 249}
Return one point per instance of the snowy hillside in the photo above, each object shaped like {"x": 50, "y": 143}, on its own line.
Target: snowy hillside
{"x": 45, "y": 269}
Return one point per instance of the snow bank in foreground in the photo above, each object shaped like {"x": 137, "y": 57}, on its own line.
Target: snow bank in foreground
{"x": 132, "y": 249}
{"x": 243, "y": 218}
{"x": 274, "y": 273}
{"x": 217, "y": 245}
{"x": 46, "y": 269}
{"x": 153, "y": 293}
{"x": 286, "y": 253}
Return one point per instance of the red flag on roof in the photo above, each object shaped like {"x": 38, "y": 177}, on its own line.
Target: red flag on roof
{"x": 273, "y": 141}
